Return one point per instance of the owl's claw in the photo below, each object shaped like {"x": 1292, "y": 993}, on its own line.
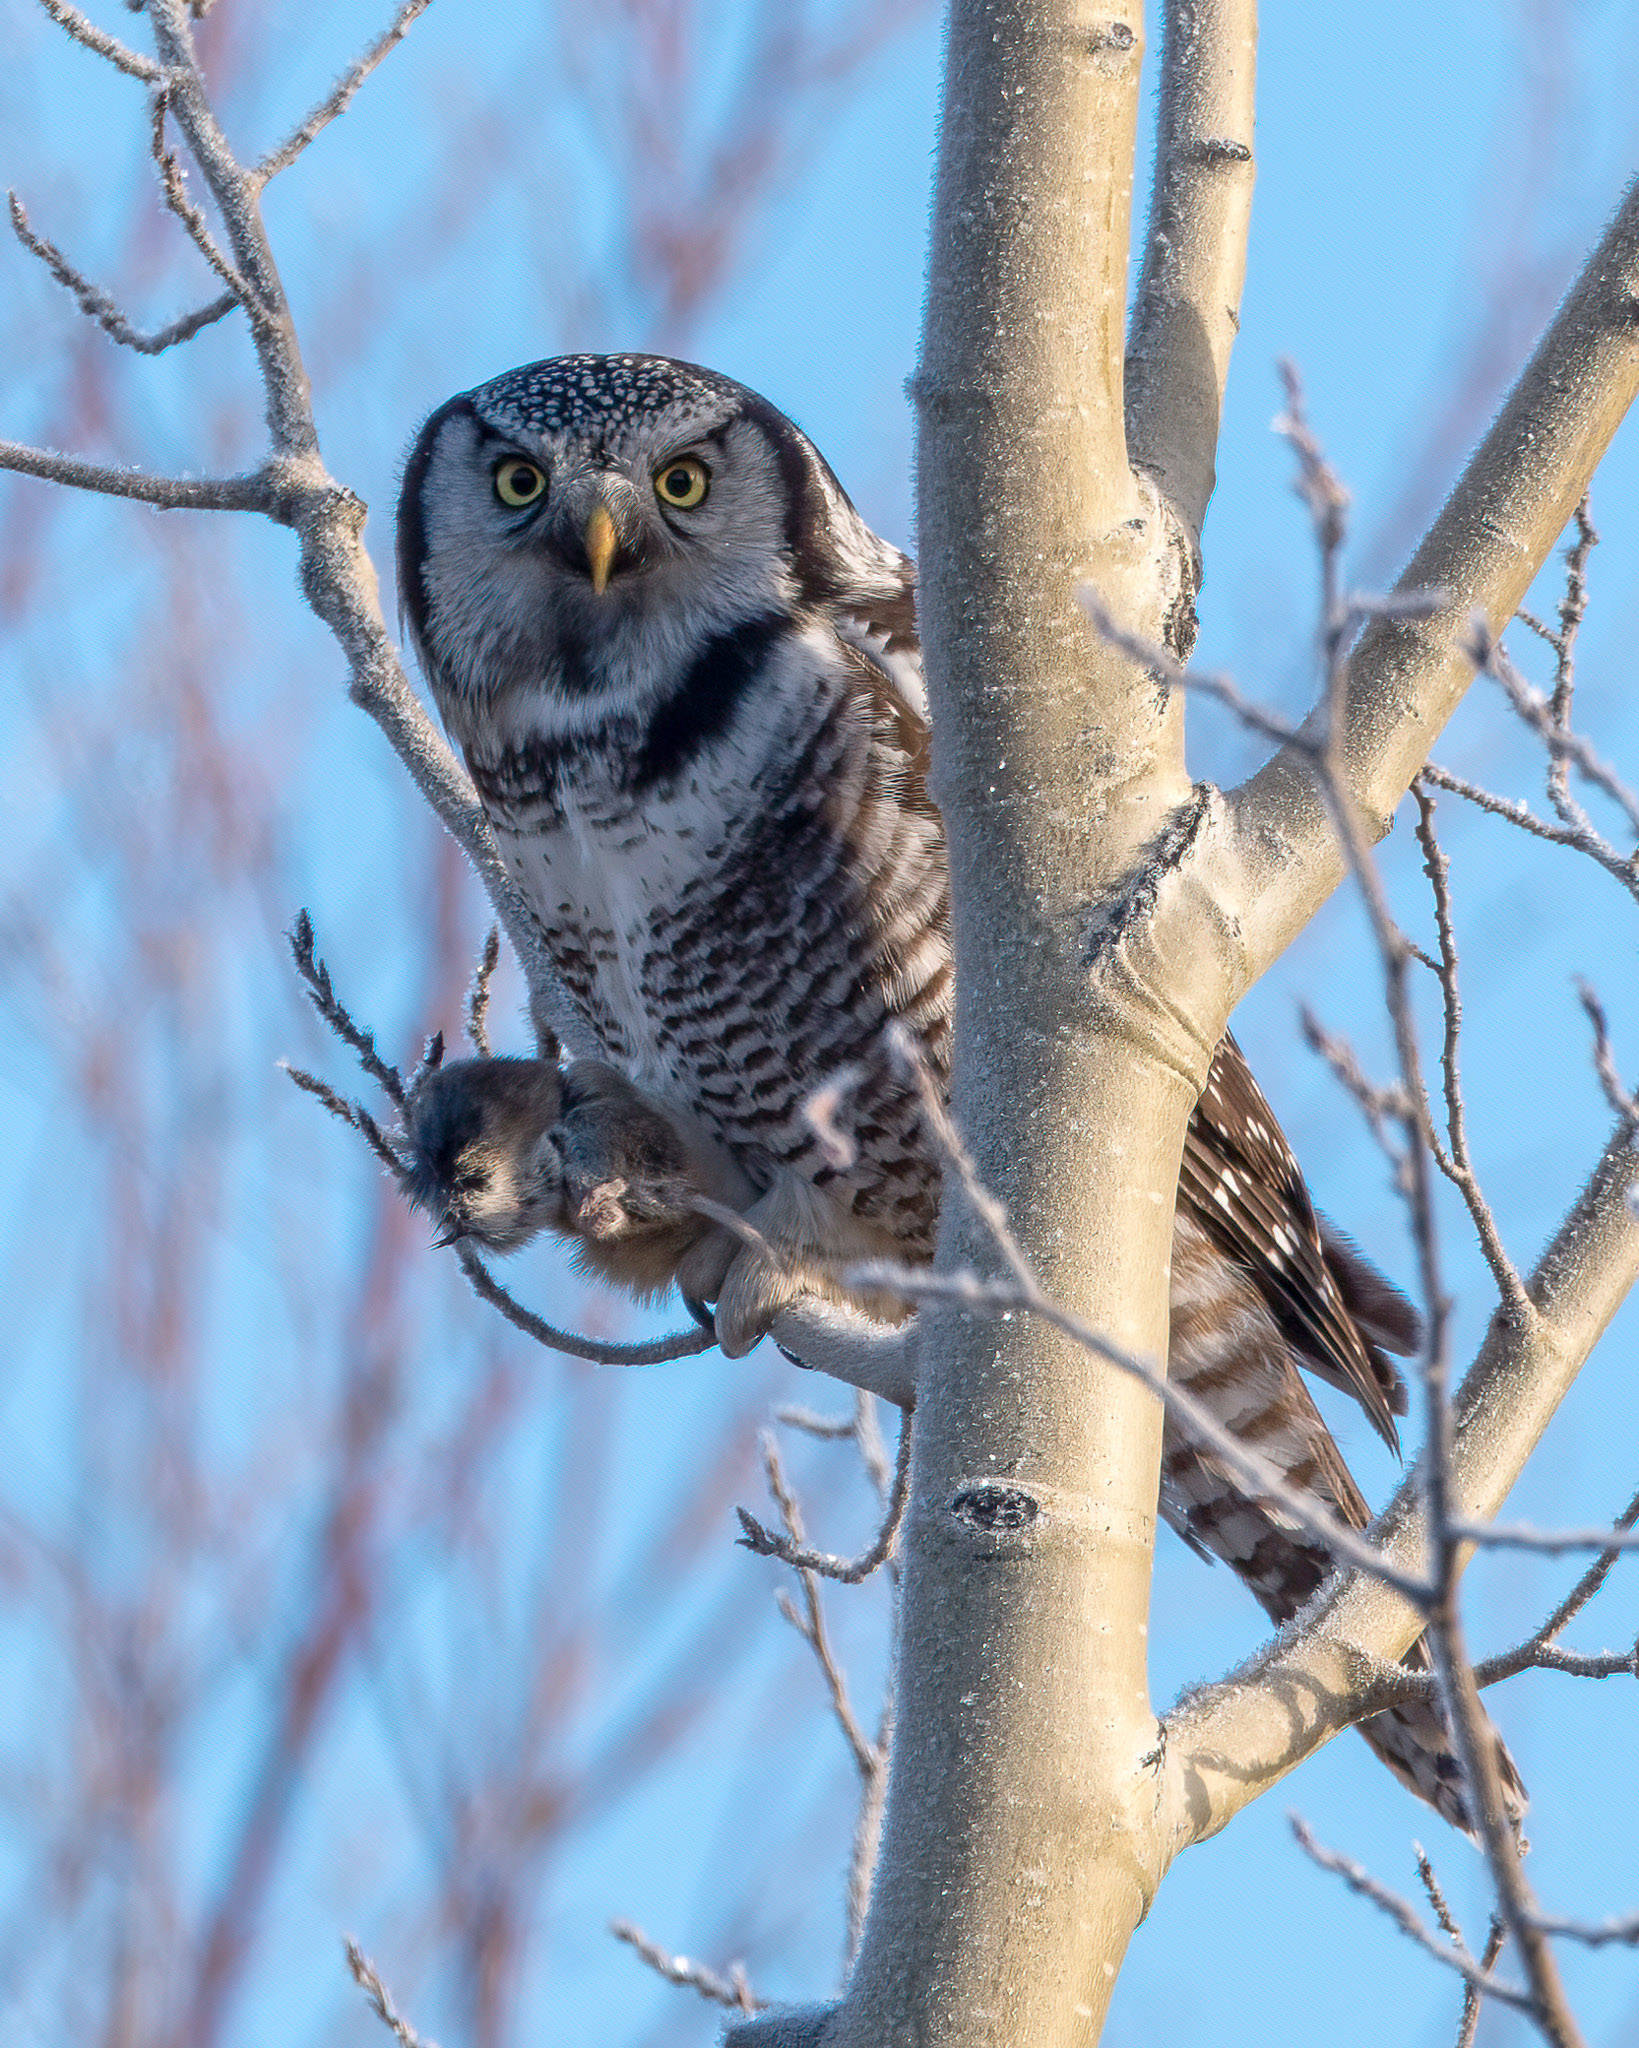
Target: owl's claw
{"x": 798, "y": 1239}
{"x": 749, "y": 1283}
{"x": 754, "y": 1293}
{"x": 701, "y": 1312}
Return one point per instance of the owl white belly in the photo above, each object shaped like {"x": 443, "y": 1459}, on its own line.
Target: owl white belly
{"x": 736, "y": 937}
{"x": 607, "y": 891}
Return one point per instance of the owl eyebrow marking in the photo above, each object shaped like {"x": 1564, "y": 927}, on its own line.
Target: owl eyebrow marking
{"x": 495, "y": 446}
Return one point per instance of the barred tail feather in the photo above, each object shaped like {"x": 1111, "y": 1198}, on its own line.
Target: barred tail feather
{"x": 1416, "y": 1744}
{"x": 1228, "y": 1351}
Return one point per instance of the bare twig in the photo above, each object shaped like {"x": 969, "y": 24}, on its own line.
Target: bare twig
{"x": 1473, "y": 1996}
{"x": 1381, "y": 1106}
{"x": 847, "y": 1571}
{"x": 353, "y": 1114}
{"x": 828, "y": 1428}
{"x": 132, "y": 62}
{"x": 870, "y": 1758}
{"x": 1456, "y": 1956}
{"x": 98, "y": 306}
{"x": 1541, "y": 1651}
{"x": 340, "y": 96}
{"x": 657, "y": 1351}
{"x": 321, "y": 993}
{"x": 733, "y": 1991}
{"x": 1548, "y": 1657}
{"x": 1616, "y": 1091}
{"x": 172, "y": 181}
{"x": 1457, "y": 1164}
{"x": 381, "y": 1999}
{"x": 1565, "y": 747}
{"x": 1573, "y": 609}
{"x": 1322, "y": 491}
{"x": 478, "y": 997}
{"x": 1591, "y": 1580}
{"x": 1624, "y": 868}
{"x": 1554, "y": 1542}
{"x": 1593, "y": 1933}
{"x": 250, "y": 493}
{"x": 1436, "y": 1897}
{"x": 810, "y": 1623}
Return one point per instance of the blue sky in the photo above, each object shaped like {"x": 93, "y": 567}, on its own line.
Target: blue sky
{"x": 1428, "y": 181}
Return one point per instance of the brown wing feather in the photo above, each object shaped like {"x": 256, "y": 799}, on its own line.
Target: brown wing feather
{"x": 1244, "y": 1184}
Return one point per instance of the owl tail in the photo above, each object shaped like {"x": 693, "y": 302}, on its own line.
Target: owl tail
{"x": 1416, "y": 1744}
{"x": 1284, "y": 1567}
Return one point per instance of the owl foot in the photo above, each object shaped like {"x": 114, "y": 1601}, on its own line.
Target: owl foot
{"x": 802, "y": 1240}
{"x": 749, "y": 1284}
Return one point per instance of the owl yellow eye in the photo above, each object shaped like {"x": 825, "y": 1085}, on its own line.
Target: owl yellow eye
{"x": 683, "y": 483}
{"x": 518, "y": 482}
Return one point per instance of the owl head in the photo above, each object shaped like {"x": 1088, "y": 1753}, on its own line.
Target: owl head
{"x": 580, "y": 526}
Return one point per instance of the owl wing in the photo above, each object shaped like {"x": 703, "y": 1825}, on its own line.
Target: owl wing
{"x": 1246, "y": 1190}
{"x": 878, "y": 621}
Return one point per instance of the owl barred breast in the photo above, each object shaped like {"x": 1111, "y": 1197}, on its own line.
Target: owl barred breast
{"x": 686, "y": 681}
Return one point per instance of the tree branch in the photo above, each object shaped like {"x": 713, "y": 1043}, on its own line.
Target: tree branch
{"x": 250, "y": 493}
{"x": 96, "y": 304}
{"x": 1456, "y": 1956}
{"x": 131, "y": 62}
{"x": 340, "y": 97}
{"x": 1187, "y": 312}
{"x": 1279, "y": 859}
{"x": 847, "y": 1571}
{"x": 1056, "y": 763}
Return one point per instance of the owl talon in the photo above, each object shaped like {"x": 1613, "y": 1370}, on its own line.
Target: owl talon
{"x": 701, "y": 1312}
{"x": 754, "y": 1293}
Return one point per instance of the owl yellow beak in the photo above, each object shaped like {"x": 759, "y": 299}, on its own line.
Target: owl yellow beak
{"x": 601, "y": 543}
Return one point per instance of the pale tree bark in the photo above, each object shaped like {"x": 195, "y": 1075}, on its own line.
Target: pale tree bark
{"x": 1107, "y": 920}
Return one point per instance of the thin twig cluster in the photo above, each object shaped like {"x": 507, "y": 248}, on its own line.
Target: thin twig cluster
{"x": 868, "y": 1753}
{"x": 321, "y": 993}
